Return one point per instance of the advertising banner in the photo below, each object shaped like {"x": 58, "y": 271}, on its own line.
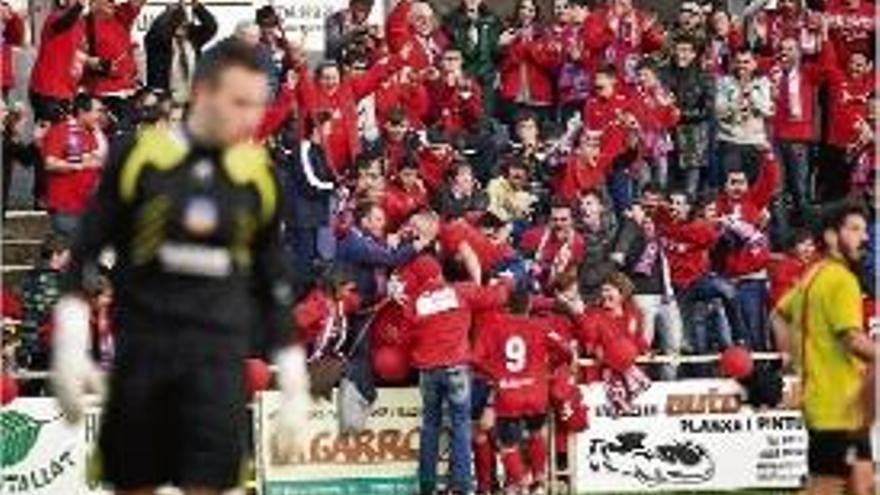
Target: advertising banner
{"x": 302, "y": 19}
{"x": 381, "y": 460}
{"x": 690, "y": 435}
{"x": 41, "y": 453}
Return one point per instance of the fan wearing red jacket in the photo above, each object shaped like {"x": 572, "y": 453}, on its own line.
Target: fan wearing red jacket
{"x": 13, "y": 36}
{"x": 852, "y": 26}
{"x": 322, "y": 316}
{"x": 555, "y": 248}
{"x": 513, "y": 351}
{"x": 687, "y": 243}
{"x": 610, "y": 110}
{"x": 849, "y": 93}
{"x": 612, "y": 332}
{"x": 658, "y": 116}
{"x": 472, "y": 249}
{"x": 73, "y": 161}
{"x": 529, "y": 59}
{"x": 54, "y": 81}
{"x": 111, "y": 70}
{"x": 456, "y": 99}
{"x": 786, "y": 271}
{"x": 440, "y": 315}
{"x": 745, "y": 252}
{"x": 795, "y": 83}
{"x": 329, "y": 91}
{"x": 404, "y": 195}
{"x": 413, "y": 24}
{"x": 403, "y": 91}
{"x": 620, "y": 34}
{"x": 788, "y": 20}
{"x": 586, "y": 168}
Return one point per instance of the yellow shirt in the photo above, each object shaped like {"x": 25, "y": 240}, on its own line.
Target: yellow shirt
{"x": 825, "y": 305}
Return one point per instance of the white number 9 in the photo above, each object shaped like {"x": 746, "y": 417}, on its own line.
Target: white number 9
{"x": 515, "y": 354}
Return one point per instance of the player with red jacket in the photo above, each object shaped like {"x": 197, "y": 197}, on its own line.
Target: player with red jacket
{"x": 513, "y": 351}
{"x": 620, "y": 34}
{"x": 54, "y": 81}
{"x": 465, "y": 244}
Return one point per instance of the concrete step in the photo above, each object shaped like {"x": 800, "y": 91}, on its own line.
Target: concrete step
{"x": 20, "y": 251}
{"x": 25, "y": 224}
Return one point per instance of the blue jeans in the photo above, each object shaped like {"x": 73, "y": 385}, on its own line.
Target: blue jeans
{"x": 452, "y": 386}
{"x": 752, "y": 295}
{"x": 708, "y": 288}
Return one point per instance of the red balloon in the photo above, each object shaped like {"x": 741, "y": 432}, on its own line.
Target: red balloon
{"x": 8, "y": 389}
{"x": 621, "y": 354}
{"x": 391, "y": 364}
{"x": 736, "y": 362}
{"x": 257, "y": 376}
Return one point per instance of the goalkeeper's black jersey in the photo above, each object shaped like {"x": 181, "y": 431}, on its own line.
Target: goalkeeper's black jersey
{"x": 196, "y": 236}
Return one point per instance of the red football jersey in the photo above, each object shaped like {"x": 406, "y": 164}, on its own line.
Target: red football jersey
{"x": 513, "y": 352}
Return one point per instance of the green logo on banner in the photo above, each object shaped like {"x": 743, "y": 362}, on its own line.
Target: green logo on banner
{"x": 19, "y": 433}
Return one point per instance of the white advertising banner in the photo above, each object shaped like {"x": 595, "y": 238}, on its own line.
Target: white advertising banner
{"x": 41, "y": 453}
{"x": 380, "y": 460}
{"x": 303, "y": 19}
{"x": 690, "y": 435}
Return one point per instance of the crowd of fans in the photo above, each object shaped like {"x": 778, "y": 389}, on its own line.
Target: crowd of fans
{"x": 652, "y": 187}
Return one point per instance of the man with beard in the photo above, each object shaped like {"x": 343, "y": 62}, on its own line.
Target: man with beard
{"x": 832, "y": 349}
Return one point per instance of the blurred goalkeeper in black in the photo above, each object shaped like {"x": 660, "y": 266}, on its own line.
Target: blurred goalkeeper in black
{"x": 193, "y": 216}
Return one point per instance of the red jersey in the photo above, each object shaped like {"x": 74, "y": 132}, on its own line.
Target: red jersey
{"x": 851, "y": 29}
{"x": 604, "y": 114}
{"x": 513, "y": 352}
{"x": 457, "y": 232}
{"x": 69, "y": 191}
{"x": 785, "y": 274}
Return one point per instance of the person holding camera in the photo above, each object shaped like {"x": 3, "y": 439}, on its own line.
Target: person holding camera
{"x": 349, "y": 27}
{"x": 173, "y": 44}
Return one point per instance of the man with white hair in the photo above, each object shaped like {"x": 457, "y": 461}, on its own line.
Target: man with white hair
{"x": 414, "y": 24}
